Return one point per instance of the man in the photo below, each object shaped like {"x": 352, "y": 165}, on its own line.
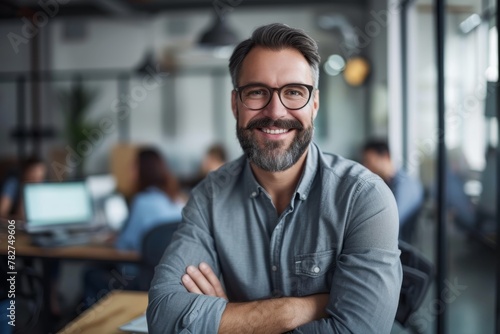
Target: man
{"x": 408, "y": 192}
{"x": 302, "y": 241}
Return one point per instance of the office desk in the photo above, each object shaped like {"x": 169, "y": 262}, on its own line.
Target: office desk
{"x": 107, "y": 315}
{"x": 49, "y": 257}
{"x": 93, "y": 251}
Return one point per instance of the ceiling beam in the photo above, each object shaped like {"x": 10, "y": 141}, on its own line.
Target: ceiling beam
{"x": 10, "y": 9}
{"x": 114, "y": 7}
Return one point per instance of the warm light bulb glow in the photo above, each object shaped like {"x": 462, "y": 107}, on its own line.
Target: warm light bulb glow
{"x": 356, "y": 71}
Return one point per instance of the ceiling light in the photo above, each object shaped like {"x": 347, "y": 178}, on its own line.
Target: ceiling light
{"x": 219, "y": 34}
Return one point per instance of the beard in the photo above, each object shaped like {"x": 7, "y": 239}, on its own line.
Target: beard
{"x": 274, "y": 156}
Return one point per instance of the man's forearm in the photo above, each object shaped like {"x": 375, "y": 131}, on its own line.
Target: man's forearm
{"x": 272, "y": 315}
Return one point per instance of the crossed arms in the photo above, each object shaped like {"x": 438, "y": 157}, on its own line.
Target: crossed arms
{"x": 264, "y": 316}
{"x": 363, "y": 292}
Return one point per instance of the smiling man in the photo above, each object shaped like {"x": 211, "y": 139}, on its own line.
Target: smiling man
{"x": 285, "y": 238}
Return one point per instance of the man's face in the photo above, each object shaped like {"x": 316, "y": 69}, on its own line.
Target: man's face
{"x": 274, "y": 138}
{"x": 374, "y": 162}
{"x": 35, "y": 173}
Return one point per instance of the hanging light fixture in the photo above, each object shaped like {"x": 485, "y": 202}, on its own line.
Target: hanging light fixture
{"x": 219, "y": 34}
{"x": 352, "y": 65}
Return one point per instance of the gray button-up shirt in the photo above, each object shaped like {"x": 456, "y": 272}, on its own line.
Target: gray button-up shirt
{"x": 339, "y": 235}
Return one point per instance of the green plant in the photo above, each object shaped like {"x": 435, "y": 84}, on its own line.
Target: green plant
{"x": 75, "y": 104}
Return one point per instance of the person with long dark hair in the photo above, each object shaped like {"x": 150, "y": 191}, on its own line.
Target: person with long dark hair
{"x": 157, "y": 200}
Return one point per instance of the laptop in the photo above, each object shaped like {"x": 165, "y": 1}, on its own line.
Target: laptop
{"x": 110, "y": 207}
{"x": 137, "y": 325}
{"x": 58, "y": 213}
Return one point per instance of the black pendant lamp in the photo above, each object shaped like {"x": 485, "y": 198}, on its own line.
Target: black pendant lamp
{"x": 219, "y": 34}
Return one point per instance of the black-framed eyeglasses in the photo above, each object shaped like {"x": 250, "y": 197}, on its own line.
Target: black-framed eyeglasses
{"x": 293, "y": 96}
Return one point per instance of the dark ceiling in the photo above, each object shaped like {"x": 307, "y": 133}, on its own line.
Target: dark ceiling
{"x": 11, "y": 9}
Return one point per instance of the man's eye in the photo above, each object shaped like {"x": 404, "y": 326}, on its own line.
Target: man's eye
{"x": 256, "y": 93}
{"x": 294, "y": 93}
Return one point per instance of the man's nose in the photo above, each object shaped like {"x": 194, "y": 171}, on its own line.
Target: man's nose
{"x": 275, "y": 109}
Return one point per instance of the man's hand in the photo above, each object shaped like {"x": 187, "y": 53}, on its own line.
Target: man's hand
{"x": 203, "y": 281}
{"x": 264, "y": 316}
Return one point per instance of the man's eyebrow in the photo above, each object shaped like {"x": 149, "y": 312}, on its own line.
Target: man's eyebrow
{"x": 263, "y": 84}
{"x": 254, "y": 83}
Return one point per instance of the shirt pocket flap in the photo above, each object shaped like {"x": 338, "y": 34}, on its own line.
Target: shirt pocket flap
{"x": 315, "y": 264}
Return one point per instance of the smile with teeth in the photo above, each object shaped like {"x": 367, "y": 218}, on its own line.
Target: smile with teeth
{"x": 275, "y": 131}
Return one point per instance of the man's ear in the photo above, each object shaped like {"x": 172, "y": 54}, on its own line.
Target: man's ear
{"x": 315, "y": 103}
{"x": 234, "y": 102}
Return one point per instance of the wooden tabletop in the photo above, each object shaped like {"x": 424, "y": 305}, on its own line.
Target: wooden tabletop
{"x": 111, "y": 312}
{"x": 94, "y": 251}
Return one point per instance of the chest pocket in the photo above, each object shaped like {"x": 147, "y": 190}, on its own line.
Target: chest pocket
{"x": 314, "y": 272}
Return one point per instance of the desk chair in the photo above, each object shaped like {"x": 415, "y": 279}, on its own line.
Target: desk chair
{"x": 407, "y": 229}
{"x": 154, "y": 243}
{"x": 418, "y": 274}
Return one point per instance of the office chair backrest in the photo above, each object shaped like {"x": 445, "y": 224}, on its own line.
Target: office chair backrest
{"x": 407, "y": 229}
{"x": 418, "y": 274}
{"x": 154, "y": 243}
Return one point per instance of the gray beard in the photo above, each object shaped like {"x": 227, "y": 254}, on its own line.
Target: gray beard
{"x": 274, "y": 157}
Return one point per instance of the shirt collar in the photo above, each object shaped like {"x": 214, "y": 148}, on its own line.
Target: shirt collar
{"x": 310, "y": 169}
{"x": 253, "y": 188}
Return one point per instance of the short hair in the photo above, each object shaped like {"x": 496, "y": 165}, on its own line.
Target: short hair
{"x": 30, "y": 162}
{"x": 380, "y": 147}
{"x": 218, "y": 151}
{"x": 276, "y": 36}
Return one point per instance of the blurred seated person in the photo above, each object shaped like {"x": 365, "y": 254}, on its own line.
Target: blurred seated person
{"x": 408, "y": 191}
{"x": 458, "y": 203}
{"x": 215, "y": 157}
{"x": 488, "y": 198}
{"x": 31, "y": 170}
{"x": 158, "y": 199}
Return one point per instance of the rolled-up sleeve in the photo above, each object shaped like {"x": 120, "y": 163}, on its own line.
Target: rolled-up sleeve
{"x": 171, "y": 308}
{"x": 365, "y": 288}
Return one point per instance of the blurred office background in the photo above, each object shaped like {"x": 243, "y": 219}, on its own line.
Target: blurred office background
{"x": 138, "y": 73}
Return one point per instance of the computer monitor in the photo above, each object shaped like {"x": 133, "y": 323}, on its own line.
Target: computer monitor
{"x": 57, "y": 206}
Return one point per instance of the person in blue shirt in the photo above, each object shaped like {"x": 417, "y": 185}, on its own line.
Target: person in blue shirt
{"x": 408, "y": 191}
{"x": 157, "y": 201}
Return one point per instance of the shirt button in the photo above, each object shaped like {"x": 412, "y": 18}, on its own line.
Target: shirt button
{"x": 316, "y": 269}
{"x": 274, "y": 268}
{"x": 303, "y": 197}
{"x": 253, "y": 195}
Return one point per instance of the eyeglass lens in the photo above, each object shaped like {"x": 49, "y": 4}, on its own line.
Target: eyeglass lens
{"x": 292, "y": 96}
